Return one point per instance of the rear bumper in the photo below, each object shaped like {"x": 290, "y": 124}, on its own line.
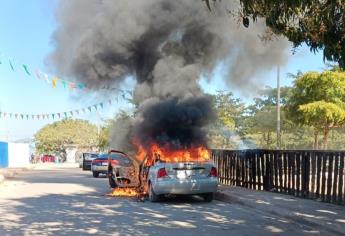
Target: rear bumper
{"x": 99, "y": 169}
{"x": 187, "y": 186}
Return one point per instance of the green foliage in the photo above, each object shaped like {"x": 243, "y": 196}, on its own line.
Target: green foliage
{"x": 222, "y": 133}
{"x": 318, "y": 24}
{"x": 53, "y": 137}
{"x": 318, "y": 100}
{"x": 104, "y": 134}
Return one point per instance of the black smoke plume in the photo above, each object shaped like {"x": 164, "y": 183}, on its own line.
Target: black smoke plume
{"x": 167, "y": 46}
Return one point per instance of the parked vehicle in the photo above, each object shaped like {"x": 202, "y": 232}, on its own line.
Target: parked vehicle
{"x": 99, "y": 165}
{"x": 122, "y": 170}
{"x": 185, "y": 178}
{"x": 87, "y": 159}
{"x": 47, "y": 158}
{"x": 163, "y": 178}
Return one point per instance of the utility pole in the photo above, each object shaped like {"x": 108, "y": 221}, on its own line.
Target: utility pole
{"x": 278, "y": 109}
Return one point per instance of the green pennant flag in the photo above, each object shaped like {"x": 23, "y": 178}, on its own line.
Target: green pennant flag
{"x": 81, "y": 86}
{"x": 65, "y": 113}
{"x": 64, "y": 83}
{"x": 22, "y": 116}
{"x": 95, "y": 106}
{"x": 101, "y": 105}
{"x": 53, "y": 115}
{"x": 89, "y": 108}
{"x": 26, "y": 69}
{"x": 10, "y": 115}
{"x": 12, "y": 67}
{"x": 27, "y": 117}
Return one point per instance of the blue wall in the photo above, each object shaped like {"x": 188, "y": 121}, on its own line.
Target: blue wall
{"x": 3, "y": 154}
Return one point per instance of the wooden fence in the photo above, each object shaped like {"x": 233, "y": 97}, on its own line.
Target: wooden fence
{"x": 308, "y": 174}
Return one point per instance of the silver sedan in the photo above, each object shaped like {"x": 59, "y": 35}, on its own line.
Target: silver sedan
{"x": 182, "y": 178}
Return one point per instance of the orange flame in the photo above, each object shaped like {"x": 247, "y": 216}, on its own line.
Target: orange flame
{"x": 123, "y": 192}
{"x": 155, "y": 152}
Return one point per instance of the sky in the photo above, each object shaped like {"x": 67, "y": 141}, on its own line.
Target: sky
{"x": 26, "y": 29}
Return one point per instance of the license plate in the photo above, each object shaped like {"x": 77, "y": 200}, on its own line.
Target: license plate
{"x": 104, "y": 164}
{"x": 181, "y": 174}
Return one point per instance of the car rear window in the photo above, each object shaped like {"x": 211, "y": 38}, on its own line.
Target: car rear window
{"x": 121, "y": 159}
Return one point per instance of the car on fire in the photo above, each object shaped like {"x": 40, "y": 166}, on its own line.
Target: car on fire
{"x": 123, "y": 171}
{"x": 159, "y": 177}
{"x": 182, "y": 178}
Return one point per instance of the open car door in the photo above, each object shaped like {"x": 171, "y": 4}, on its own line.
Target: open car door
{"x": 123, "y": 171}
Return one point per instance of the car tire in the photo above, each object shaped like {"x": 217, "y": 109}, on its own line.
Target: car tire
{"x": 112, "y": 182}
{"x": 153, "y": 197}
{"x": 208, "y": 197}
{"x": 95, "y": 174}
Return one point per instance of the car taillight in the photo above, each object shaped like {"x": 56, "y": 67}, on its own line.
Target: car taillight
{"x": 96, "y": 161}
{"x": 162, "y": 173}
{"x": 213, "y": 172}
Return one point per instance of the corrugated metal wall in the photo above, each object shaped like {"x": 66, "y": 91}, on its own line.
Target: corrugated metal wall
{"x": 3, "y": 154}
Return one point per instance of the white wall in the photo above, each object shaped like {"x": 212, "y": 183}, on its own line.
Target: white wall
{"x": 18, "y": 154}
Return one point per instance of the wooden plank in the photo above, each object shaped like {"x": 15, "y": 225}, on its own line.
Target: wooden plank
{"x": 275, "y": 169}
{"x": 254, "y": 169}
{"x": 329, "y": 177}
{"x": 335, "y": 177}
{"x": 318, "y": 175}
{"x": 293, "y": 174}
{"x": 285, "y": 169}
{"x": 258, "y": 170}
{"x": 323, "y": 173}
{"x": 307, "y": 175}
{"x": 228, "y": 171}
{"x": 246, "y": 171}
{"x": 237, "y": 171}
{"x": 341, "y": 183}
{"x": 280, "y": 171}
{"x": 263, "y": 170}
{"x": 303, "y": 174}
{"x": 270, "y": 171}
{"x": 250, "y": 170}
{"x": 313, "y": 172}
{"x": 298, "y": 173}
{"x": 290, "y": 160}
{"x": 243, "y": 173}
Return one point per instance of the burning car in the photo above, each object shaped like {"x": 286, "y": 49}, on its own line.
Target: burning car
{"x": 123, "y": 172}
{"x": 159, "y": 172}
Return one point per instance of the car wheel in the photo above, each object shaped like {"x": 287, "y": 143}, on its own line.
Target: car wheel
{"x": 153, "y": 197}
{"x": 209, "y": 197}
{"x": 95, "y": 174}
{"x": 112, "y": 182}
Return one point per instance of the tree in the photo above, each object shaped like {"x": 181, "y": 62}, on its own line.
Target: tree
{"x": 223, "y": 133}
{"x": 53, "y": 137}
{"x": 318, "y": 24}
{"x": 261, "y": 122}
{"x": 318, "y": 100}
{"x": 104, "y": 134}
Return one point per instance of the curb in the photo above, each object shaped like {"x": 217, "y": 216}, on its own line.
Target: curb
{"x": 221, "y": 196}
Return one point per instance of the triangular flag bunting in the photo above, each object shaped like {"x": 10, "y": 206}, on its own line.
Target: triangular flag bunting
{"x": 26, "y": 69}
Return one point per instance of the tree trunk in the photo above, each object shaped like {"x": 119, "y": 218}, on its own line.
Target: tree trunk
{"x": 325, "y": 138}
{"x": 316, "y": 143}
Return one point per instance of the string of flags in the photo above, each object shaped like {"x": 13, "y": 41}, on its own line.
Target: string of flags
{"x": 58, "y": 115}
{"x": 53, "y": 80}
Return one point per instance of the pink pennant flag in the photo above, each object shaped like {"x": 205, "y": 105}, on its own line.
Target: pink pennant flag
{"x": 59, "y": 115}
{"x": 16, "y": 116}
{"x": 72, "y": 86}
{"x": 71, "y": 112}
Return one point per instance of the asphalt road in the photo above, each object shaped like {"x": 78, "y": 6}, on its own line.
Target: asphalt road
{"x": 68, "y": 201}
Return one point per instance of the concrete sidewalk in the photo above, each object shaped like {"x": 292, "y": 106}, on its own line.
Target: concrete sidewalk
{"x": 320, "y": 215}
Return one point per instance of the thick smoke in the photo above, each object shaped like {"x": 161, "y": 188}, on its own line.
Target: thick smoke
{"x": 166, "y": 46}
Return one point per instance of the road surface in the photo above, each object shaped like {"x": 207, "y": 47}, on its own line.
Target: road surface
{"x": 68, "y": 201}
